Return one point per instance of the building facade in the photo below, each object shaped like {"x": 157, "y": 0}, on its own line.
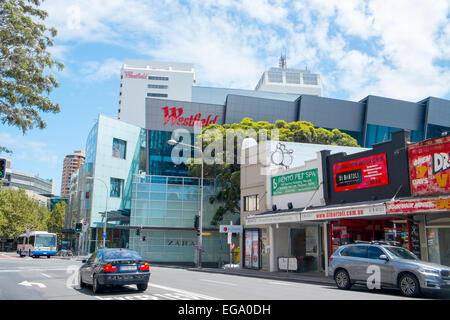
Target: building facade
{"x": 71, "y": 163}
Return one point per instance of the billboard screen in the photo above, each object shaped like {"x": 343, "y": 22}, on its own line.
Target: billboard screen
{"x": 361, "y": 173}
{"x": 429, "y": 166}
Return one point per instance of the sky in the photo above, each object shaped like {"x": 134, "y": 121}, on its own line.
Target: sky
{"x": 397, "y": 49}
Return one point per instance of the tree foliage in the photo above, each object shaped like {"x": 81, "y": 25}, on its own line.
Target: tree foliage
{"x": 227, "y": 175}
{"x": 55, "y": 221}
{"x": 25, "y": 82}
{"x": 18, "y": 210}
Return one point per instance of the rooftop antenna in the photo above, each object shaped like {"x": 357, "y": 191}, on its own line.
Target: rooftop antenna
{"x": 282, "y": 62}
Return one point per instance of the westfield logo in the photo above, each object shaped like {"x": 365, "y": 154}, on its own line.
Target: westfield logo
{"x": 174, "y": 116}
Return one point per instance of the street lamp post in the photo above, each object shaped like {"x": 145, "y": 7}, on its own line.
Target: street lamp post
{"x": 173, "y": 142}
{"x": 106, "y": 209}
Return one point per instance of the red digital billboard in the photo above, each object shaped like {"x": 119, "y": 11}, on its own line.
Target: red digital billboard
{"x": 429, "y": 166}
{"x": 361, "y": 173}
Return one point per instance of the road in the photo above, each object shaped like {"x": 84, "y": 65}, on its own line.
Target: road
{"x": 56, "y": 279}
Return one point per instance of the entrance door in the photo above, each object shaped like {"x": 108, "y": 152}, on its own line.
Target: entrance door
{"x": 439, "y": 245}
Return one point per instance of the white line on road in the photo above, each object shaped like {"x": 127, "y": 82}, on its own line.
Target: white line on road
{"x": 220, "y": 282}
{"x": 30, "y": 269}
{"x": 280, "y": 283}
{"x": 45, "y": 275}
{"x": 184, "y": 292}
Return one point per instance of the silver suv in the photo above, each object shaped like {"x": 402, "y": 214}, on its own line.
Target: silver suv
{"x": 380, "y": 264}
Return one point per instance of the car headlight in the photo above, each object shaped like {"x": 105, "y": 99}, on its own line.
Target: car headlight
{"x": 432, "y": 271}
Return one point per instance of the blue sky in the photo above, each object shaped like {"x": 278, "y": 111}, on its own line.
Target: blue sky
{"x": 398, "y": 49}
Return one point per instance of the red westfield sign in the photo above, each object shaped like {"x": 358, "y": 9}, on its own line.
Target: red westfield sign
{"x": 132, "y": 75}
{"x": 429, "y": 166}
{"x": 174, "y": 117}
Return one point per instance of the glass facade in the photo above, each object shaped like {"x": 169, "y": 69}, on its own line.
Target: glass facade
{"x": 435, "y": 131}
{"x": 166, "y": 207}
{"x": 376, "y": 134}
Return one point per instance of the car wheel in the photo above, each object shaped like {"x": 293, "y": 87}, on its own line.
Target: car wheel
{"x": 409, "y": 286}
{"x": 95, "y": 286}
{"x": 48, "y": 257}
{"x": 342, "y": 279}
{"x": 142, "y": 286}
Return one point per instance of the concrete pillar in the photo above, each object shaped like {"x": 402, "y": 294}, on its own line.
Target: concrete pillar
{"x": 325, "y": 247}
{"x": 272, "y": 257}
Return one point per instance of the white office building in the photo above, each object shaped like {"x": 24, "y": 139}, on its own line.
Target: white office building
{"x": 142, "y": 79}
{"x": 290, "y": 81}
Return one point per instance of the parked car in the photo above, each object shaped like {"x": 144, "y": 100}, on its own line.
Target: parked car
{"x": 114, "y": 267}
{"x": 399, "y": 268}
{"x": 65, "y": 253}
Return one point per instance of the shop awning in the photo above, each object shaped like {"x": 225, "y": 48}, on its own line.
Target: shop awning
{"x": 118, "y": 215}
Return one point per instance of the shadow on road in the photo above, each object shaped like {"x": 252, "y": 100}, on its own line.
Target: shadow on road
{"x": 116, "y": 290}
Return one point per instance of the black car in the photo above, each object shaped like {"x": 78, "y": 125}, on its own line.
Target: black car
{"x": 114, "y": 267}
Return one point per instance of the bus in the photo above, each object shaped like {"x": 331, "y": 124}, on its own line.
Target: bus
{"x": 39, "y": 243}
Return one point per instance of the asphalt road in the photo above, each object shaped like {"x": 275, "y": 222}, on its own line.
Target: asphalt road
{"x": 56, "y": 279}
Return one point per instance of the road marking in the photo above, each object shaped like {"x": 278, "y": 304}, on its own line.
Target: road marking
{"x": 280, "y": 283}
{"x": 219, "y": 282}
{"x": 184, "y": 292}
{"x": 31, "y": 270}
{"x": 30, "y": 284}
{"x": 45, "y": 275}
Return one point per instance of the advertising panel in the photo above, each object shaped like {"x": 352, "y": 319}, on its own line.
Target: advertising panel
{"x": 429, "y": 166}
{"x": 251, "y": 255}
{"x": 302, "y": 181}
{"x": 344, "y": 212}
{"x": 360, "y": 173}
{"x": 419, "y": 205}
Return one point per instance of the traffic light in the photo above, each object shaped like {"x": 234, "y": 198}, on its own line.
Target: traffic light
{"x": 138, "y": 232}
{"x": 143, "y": 238}
{"x": 78, "y": 227}
{"x": 2, "y": 168}
{"x": 197, "y": 222}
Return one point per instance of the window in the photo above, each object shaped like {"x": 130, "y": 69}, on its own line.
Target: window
{"x": 374, "y": 252}
{"x": 355, "y": 251}
{"x": 119, "y": 148}
{"x": 158, "y": 78}
{"x": 158, "y": 86}
{"x": 251, "y": 203}
{"x": 116, "y": 188}
{"x": 159, "y": 95}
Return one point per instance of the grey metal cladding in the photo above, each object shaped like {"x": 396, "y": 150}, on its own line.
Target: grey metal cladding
{"x": 155, "y": 113}
{"x": 332, "y": 113}
{"x": 438, "y": 112}
{"x": 395, "y": 113}
{"x": 239, "y": 107}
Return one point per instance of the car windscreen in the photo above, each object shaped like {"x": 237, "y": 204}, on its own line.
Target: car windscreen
{"x": 401, "y": 253}
{"x": 45, "y": 240}
{"x": 112, "y": 255}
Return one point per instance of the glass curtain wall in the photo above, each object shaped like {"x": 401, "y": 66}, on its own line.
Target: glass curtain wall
{"x": 376, "y": 134}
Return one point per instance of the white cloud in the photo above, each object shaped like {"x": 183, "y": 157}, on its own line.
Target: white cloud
{"x": 360, "y": 47}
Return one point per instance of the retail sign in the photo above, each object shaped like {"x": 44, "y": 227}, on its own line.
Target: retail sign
{"x": 361, "y": 173}
{"x": 173, "y": 116}
{"x": 419, "y": 205}
{"x": 302, "y": 181}
{"x": 272, "y": 218}
{"x": 230, "y": 228}
{"x": 429, "y": 166}
{"x": 344, "y": 212}
{"x": 132, "y": 75}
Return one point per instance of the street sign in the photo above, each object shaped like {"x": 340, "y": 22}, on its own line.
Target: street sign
{"x": 104, "y": 235}
{"x": 230, "y": 228}
{"x": 232, "y": 245}
{"x": 229, "y": 238}
{"x": 85, "y": 226}
{"x": 28, "y": 231}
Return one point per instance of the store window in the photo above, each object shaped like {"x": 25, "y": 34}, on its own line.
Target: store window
{"x": 119, "y": 148}
{"x": 251, "y": 203}
{"x": 251, "y": 249}
{"x": 439, "y": 245}
{"x": 116, "y": 188}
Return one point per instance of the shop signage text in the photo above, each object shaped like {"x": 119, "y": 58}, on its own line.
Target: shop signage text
{"x": 302, "y": 181}
{"x": 339, "y": 213}
{"x": 132, "y": 75}
{"x": 361, "y": 173}
{"x": 174, "y": 117}
{"x": 419, "y": 205}
{"x": 429, "y": 166}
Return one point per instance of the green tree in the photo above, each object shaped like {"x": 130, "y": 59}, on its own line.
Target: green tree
{"x": 18, "y": 210}
{"x": 227, "y": 175}
{"x": 25, "y": 82}
{"x": 55, "y": 221}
